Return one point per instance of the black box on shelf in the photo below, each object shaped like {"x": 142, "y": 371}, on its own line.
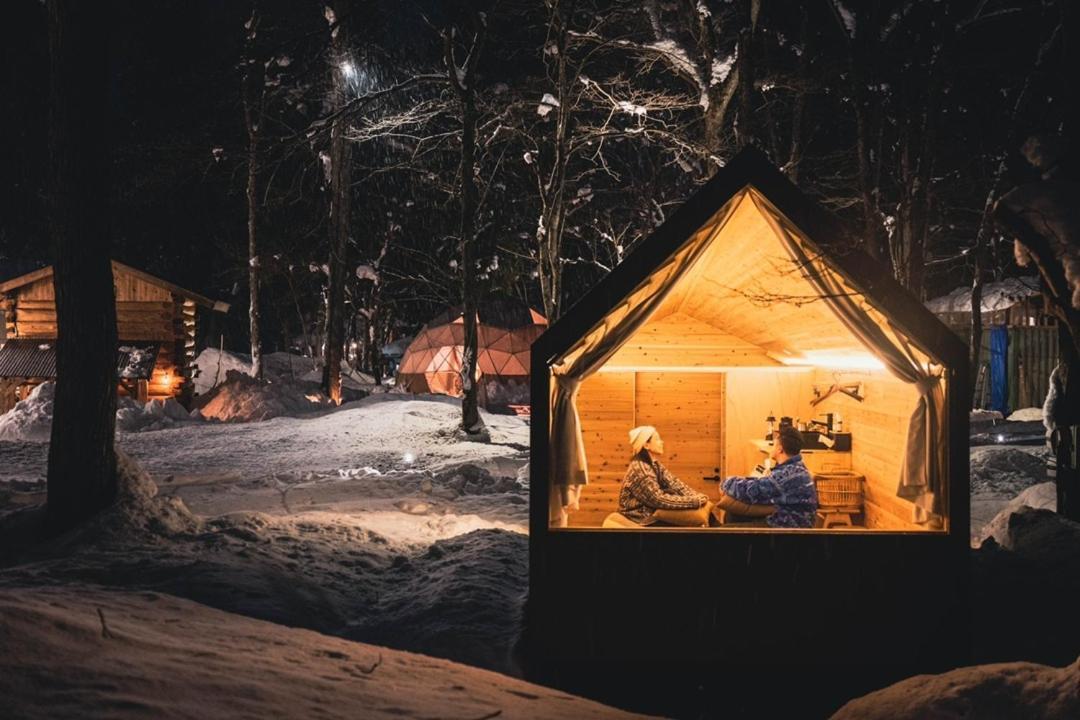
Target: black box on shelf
{"x": 841, "y": 441}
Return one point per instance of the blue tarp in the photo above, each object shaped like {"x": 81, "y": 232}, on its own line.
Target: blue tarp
{"x": 999, "y": 369}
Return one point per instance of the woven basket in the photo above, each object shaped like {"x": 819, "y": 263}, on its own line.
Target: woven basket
{"x": 839, "y": 488}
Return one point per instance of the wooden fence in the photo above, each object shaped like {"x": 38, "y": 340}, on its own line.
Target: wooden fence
{"x": 1032, "y": 356}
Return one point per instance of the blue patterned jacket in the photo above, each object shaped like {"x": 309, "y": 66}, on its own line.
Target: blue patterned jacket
{"x": 789, "y": 487}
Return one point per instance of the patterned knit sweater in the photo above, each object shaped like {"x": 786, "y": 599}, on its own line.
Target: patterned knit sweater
{"x": 648, "y": 487}
{"x": 789, "y": 487}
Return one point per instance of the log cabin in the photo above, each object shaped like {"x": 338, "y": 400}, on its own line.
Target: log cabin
{"x": 156, "y": 325}
{"x": 750, "y": 303}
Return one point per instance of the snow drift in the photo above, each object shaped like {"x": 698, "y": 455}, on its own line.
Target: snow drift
{"x": 242, "y": 398}
{"x": 1025, "y": 585}
{"x": 213, "y": 367}
{"x": 1029, "y": 414}
{"x": 1005, "y": 690}
{"x": 1007, "y": 469}
{"x": 31, "y": 418}
{"x": 1042, "y": 496}
{"x": 325, "y": 569}
{"x": 85, "y": 652}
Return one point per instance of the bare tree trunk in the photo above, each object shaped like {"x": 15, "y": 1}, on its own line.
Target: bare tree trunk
{"x": 798, "y": 110}
{"x": 872, "y": 230}
{"x": 553, "y": 190}
{"x": 252, "y": 97}
{"x": 82, "y": 459}
{"x": 462, "y": 79}
{"x": 745, "y": 134}
{"x": 340, "y": 211}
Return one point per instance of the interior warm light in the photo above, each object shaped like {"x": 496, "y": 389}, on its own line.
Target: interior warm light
{"x": 704, "y": 368}
{"x": 838, "y": 361}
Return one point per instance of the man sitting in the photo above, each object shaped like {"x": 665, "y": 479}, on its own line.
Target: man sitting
{"x": 786, "y": 496}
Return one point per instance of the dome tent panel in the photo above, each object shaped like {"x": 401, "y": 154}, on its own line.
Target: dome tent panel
{"x": 505, "y": 333}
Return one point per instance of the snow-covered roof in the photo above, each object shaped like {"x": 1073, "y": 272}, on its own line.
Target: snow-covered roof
{"x": 999, "y": 295}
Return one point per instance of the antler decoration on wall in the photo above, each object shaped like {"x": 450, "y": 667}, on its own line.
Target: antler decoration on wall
{"x": 853, "y": 390}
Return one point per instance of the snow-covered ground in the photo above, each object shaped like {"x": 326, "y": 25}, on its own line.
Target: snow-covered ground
{"x": 387, "y": 432}
{"x": 1003, "y": 690}
{"x": 998, "y": 474}
{"x": 376, "y": 521}
{"x": 97, "y": 653}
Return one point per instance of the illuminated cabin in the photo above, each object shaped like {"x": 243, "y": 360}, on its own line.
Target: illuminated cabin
{"x": 750, "y": 301}
{"x": 156, "y": 325}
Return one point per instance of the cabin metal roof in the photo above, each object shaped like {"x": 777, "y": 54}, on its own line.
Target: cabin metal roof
{"x": 36, "y": 358}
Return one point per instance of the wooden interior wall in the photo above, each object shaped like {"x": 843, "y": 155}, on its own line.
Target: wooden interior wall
{"x": 878, "y": 428}
{"x": 751, "y": 396}
{"x": 686, "y": 408}
{"x": 688, "y": 411}
{"x": 678, "y": 340}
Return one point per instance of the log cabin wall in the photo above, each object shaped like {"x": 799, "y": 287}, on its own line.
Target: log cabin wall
{"x": 144, "y": 312}
{"x": 878, "y": 427}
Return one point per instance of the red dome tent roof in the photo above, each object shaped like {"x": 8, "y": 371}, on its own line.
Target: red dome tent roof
{"x": 507, "y": 328}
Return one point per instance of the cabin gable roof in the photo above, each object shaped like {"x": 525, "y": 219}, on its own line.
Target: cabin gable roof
{"x": 47, "y": 272}
{"x": 829, "y": 236}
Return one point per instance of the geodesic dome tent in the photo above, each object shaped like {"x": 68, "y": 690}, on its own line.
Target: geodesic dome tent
{"x": 432, "y": 362}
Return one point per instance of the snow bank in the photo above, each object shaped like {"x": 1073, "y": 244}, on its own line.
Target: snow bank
{"x": 132, "y": 416}
{"x": 1007, "y": 469}
{"x": 998, "y": 474}
{"x": 93, "y": 653}
{"x": 985, "y": 416}
{"x": 31, "y": 419}
{"x": 995, "y": 296}
{"x": 214, "y": 366}
{"x": 1042, "y": 496}
{"x": 1024, "y": 588}
{"x": 1005, "y": 690}
{"x": 1031, "y": 414}
{"x": 242, "y": 398}
{"x": 461, "y": 598}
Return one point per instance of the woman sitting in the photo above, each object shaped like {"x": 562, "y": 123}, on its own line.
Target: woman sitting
{"x": 649, "y": 491}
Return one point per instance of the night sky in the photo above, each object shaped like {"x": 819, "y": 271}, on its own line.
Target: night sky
{"x": 179, "y": 210}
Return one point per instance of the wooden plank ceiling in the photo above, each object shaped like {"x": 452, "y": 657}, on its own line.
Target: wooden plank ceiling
{"x": 744, "y": 304}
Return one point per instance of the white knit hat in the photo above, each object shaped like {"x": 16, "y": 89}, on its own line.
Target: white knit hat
{"x": 641, "y": 435}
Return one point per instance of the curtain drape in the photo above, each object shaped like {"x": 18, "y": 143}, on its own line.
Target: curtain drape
{"x": 569, "y": 466}
{"x": 922, "y": 477}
